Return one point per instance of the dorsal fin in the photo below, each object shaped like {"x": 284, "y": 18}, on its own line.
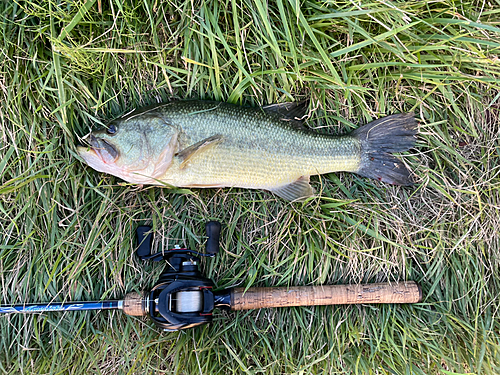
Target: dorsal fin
{"x": 294, "y": 112}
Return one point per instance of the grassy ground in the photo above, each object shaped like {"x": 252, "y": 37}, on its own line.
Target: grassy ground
{"x": 67, "y": 232}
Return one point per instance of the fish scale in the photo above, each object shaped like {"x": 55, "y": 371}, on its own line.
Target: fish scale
{"x": 213, "y": 144}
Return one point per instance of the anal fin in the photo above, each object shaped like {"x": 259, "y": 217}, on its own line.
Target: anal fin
{"x": 296, "y": 191}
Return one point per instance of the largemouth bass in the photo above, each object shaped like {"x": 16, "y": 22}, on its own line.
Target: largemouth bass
{"x": 205, "y": 144}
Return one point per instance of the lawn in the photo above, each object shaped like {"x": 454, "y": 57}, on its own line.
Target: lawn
{"x": 67, "y": 232}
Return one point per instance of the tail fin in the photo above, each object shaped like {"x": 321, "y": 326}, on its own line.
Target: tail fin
{"x": 394, "y": 133}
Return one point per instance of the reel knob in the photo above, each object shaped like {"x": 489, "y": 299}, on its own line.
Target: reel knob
{"x": 144, "y": 240}
{"x": 212, "y": 229}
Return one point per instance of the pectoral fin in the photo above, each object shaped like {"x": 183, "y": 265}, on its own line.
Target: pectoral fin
{"x": 197, "y": 148}
{"x": 296, "y": 191}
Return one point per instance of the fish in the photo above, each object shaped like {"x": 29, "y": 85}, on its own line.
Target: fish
{"x": 208, "y": 144}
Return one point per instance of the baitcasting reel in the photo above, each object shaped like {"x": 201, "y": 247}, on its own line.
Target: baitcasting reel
{"x": 182, "y": 297}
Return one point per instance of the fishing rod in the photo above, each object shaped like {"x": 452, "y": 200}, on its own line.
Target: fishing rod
{"x": 182, "y": 298}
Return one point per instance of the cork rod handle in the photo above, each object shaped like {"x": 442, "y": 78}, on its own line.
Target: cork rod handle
{"x": 134, "y": 305}
{"x": 256, "y": 298}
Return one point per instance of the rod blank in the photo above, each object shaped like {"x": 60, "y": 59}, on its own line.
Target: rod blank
{"x": 31, "y": 308}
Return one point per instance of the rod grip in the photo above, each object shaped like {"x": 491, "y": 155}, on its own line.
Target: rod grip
{"x": 256, "y": 298}
{"x": 134, "y": 304}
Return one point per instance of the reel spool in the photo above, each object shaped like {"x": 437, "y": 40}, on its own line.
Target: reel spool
{"x": 188, "y": 301}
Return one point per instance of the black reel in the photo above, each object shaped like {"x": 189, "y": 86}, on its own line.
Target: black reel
{"x": 182, "y": 297}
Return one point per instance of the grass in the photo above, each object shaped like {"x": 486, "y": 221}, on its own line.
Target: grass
{"x": 67, "y": 232}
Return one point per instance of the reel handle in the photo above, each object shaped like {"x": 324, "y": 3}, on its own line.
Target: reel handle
{"x": 145, "y": 240}
{"x": 256, "y": 298}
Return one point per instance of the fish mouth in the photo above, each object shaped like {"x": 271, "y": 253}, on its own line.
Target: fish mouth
{"x": 100, "y": 148}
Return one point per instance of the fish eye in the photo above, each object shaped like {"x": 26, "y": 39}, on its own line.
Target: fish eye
{"x": 111, "y": 129}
